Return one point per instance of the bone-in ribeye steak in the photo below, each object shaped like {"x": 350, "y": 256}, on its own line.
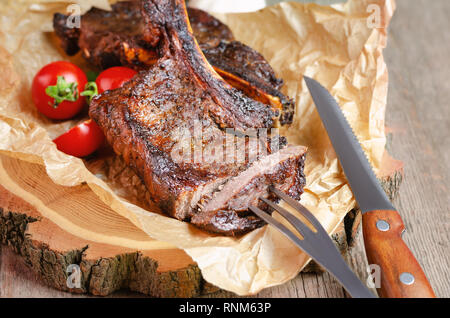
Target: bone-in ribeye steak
{"x": 146, "y": 122}
{"x": 119, "y": 37}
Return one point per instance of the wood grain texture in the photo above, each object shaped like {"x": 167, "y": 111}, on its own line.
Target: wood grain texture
{"x": 48, "y": 251}
{"x": 386, "y": 248}
{"x": 418, "y": 119}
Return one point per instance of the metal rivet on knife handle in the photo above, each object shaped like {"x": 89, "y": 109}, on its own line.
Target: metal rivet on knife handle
{"x": 383, "y": 225}
{"x": 407, "y": 278}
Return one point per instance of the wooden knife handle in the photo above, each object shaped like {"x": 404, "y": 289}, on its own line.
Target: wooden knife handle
{"x": 401, "y": 274}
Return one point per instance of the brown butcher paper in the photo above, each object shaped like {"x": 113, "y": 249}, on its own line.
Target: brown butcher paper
{"x": 340, "y": 46}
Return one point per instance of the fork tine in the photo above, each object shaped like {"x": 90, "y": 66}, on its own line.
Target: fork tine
{"x": 318, "y": 245}
{"x": 303, "y": 244}
{"x": 304, "y": 230}
{"x": 300, "y": 208}
{"x": 311, "y": 244}
{"x": 266, "y": 217}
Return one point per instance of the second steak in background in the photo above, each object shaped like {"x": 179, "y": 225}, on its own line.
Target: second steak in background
{"x": 120, "y": 37}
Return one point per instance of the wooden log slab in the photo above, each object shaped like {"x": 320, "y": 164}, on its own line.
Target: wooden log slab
{"x": 158, "y": 270}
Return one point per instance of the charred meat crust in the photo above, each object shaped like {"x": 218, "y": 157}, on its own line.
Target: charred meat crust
{"x": 68, "y": 36}
{"x": 208, "y": 31}
{"x": 107, "y": 37}
{"x": 119, "y": 37}
{"x": 110, "y": 38}
{"x": 234, "y": 57}
{"x": 231, "y": 108}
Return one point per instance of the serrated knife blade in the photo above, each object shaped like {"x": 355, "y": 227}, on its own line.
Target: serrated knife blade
{"x": 401, "y": 274}
{"x": 367, "y": 190}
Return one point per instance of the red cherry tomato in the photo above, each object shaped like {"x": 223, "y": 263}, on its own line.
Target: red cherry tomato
{"x": 113, "y": 77}
{"x": 66, "y": 81}
{"x": 81, "y": 140}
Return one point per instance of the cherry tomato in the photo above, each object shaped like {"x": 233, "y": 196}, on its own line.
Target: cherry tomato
{"x": 81, "y": 140}
{"x": 113, "y": 77}
{"x": 56, "y": 90}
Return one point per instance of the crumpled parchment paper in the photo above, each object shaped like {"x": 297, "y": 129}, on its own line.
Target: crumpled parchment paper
{"x": 340, "y": 46}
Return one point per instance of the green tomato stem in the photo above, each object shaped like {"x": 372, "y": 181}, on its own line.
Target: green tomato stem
{"x": 62, "y": 91}
{"x": 90, "y": 90}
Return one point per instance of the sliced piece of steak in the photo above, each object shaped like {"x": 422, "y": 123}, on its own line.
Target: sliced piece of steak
{"x": 153, "y": 122}
{"x": 118, "y": 37}
{"x": 226, "y": 209}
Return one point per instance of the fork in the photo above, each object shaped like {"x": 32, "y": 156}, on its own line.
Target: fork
{"x": 317, "y": 244}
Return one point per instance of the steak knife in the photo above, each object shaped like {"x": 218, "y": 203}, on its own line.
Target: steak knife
{"x": 401, "y": 274}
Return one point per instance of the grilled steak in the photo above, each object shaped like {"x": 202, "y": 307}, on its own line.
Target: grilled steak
{"x": 239, "y": 65}
{"x": 109, "y": 38}
{"x": 119, "y": 37}
{"x": 208, "y": 31}
{"x": 197, "y": 143}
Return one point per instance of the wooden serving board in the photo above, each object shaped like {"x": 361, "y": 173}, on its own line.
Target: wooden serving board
{"x": 109, "y": 262}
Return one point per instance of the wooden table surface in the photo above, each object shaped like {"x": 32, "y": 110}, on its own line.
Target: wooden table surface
{"x": 418, "y": 116}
